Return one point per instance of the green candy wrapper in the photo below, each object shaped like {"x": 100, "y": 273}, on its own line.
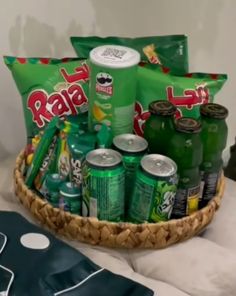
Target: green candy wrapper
{"x": 42, "y": 151}
{"x": 48, "y": 166}
{"x": 49, "y": 87}
{"x": 169, "y": 51}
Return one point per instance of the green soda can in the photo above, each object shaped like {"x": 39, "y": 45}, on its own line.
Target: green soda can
{"x": 112, "y": 90}
{"x": 104, "y": 185}
{"x": 52, "y": 186}
{"x": 70, "y": 198}
{"x": 132, "y": 148}
{"x": 154, "y": 190}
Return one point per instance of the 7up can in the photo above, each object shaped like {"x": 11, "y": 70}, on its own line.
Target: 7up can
{"x": 104, "y": 181}
{"x": 112, "y": 93}
{"x": 154, "y": 190}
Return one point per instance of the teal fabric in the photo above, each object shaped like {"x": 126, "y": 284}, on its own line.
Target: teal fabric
{"x": 55, "y": 269}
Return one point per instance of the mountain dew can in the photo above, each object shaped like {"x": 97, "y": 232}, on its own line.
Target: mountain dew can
{"x": 112, "y": 90}
{"x": 154, "y": 190}
{"x": 104, "y": 185}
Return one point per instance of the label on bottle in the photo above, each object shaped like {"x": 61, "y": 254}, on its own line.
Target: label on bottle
{"x": 193, "y": 199}
{"x": 186, "y": 201}
{"x": 209, "y": 185}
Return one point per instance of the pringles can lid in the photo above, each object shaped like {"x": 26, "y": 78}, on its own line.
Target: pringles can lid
{"x": 130, "y": 143}
{"x": 104, "y": 158}
{"x": 114, "y": 56}
{"x": 158, "y": 165}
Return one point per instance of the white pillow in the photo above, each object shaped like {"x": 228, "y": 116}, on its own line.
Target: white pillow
{"x": 222, "y": 230}
{"x": 198, "y": 267}
{"x": 115, "y": 261}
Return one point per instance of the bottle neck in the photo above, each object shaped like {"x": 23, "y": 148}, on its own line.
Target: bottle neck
{"x": 164, "y": 121}
{"x": 195, "y": 171}
{"x": 189, "y": 177}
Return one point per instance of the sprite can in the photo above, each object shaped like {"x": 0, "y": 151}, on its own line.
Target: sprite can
{"x": 52, "y": 184}
{"x": 132, "y": 148}
{"x": 154, "y": 190}
{"x": 70, "y": 198}
{"x": 104, "y": 183}
{"x": 112, "y": 90}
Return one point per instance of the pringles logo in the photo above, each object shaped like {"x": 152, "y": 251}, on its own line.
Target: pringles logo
{"x": 104, "y": 83}
{"x": 66, "y": 100}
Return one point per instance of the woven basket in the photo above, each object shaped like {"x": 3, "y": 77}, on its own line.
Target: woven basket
{"x": 110, "y": 234}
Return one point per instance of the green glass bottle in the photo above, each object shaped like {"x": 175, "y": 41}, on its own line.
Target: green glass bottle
{"x": 214, "y": 137}
{"x": 185, "y": 149}
{"x": 160, "y": 126}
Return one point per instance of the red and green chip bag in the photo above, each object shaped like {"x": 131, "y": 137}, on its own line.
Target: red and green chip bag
{"x": 170, "y": 51}
{"x": 186, "y": 92}
{"x": 49, "y": 88}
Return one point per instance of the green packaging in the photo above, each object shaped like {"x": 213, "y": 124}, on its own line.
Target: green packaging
{"x": 48, "y": 166}
{"x": 78, "y": 147}
{"x": 41, "y": 151}
{"x": 104, "y": 185}
{"x": 112, "y": 92}
{"x": 49, "y": 87}
{"x": 187, "y": 92}
{"x": 167, "y": 80}
{"x": 170, "y": 51}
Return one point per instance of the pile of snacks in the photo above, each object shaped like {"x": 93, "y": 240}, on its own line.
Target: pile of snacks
{"x": 82, "y": 155}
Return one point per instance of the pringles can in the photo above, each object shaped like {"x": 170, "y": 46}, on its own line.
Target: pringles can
{"x": 154, "y": 190}
{"x": 132, "y": 148}
{"x": 112, "y": 91}
{"x": 104, "y": 185}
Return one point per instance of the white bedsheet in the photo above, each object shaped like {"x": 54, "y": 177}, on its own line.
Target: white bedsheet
{"x": 202, "y": 266}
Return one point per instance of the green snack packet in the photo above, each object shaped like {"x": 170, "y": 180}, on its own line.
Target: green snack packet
{"x": 48, "y": 166}
{"x": 42, "y": 151}
{"x": 63, "y": 155}
{"x": 78, "y": 147}
{"x": 169, "y": 51}
{"x": 49, "y": 87}
{"x": 187, "y": 92}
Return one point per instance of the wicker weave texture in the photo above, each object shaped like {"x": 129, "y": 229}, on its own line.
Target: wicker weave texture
{"x": 119, "y": 235}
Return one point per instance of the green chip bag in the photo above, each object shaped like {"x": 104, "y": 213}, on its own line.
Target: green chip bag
{"x": 187, "y": 92}
{"x": 49, "y": 88}
{"x": 169, "y": 51}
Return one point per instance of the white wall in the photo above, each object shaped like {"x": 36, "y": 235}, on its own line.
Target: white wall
{"x": 42, "y": 28}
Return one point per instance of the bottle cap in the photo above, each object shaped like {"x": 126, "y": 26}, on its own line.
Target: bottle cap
{"x": 213, "y": 110}
{"x": 162, "y": 107}
{"x": 188, "y": 125}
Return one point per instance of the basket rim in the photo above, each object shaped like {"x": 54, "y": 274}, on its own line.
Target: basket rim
{"x": 213, "y": 204}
